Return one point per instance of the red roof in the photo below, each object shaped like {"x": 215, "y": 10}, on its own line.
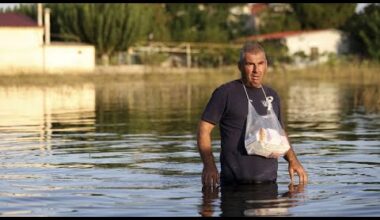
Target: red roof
{"x": 258, "y": 7}
{"x": 11, "y": 19}
{"x": 277, "y": 35}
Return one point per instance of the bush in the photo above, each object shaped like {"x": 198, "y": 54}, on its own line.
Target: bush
{"x": 276, "y": 52}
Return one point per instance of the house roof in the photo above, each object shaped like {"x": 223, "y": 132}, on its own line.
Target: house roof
{"x": 258, "y": 7}
{"x": 276, "y": 35}
{"x": 11, "y": 19}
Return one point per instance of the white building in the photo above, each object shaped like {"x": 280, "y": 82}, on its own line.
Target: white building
{"x": 25, "y": 47}
{"x": 313, "y": 43}
{"x": 317, "y": 42}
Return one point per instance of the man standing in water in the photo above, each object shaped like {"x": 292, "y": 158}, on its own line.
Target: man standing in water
{"x": 228, "y": 108}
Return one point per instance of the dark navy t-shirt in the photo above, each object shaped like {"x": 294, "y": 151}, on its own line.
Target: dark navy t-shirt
{"x": 228, "y": 107}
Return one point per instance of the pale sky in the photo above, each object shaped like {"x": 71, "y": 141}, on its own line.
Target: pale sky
{"x": 360, "y": 6}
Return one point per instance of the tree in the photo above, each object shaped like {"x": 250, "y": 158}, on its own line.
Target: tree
{"x": 110, "y": 27}
{"x": 212, "y": 23}
{"x": 159, "y": 28}
{"x": 203, "y": 22}
{"x": 183, "y": 25}
{"x": 364, "y": 29}
{"x": 323, "y": 16}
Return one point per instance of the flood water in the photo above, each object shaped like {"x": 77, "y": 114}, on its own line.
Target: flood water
{"x": 129, "y": 149}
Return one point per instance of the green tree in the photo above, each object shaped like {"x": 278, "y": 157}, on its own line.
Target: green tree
{"x": 110, "y": 27}
{"x": 323, "y": 16}
{"x": 364, "y": 29}
{"x": 159, "y": 27}
{"x": 212, "y": 23}
{"x": 183, "y": 17}
{"x": 203, "y": 22}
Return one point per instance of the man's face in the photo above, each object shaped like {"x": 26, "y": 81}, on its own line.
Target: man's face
{"x": 253, "y": 68}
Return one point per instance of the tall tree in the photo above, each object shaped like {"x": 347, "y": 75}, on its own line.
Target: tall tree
{"x": 364, "y": 29}
{"x": 212, "y": 23}
{"x": 323, "y": 15}
{"x": 110, "y": 27}
{"x": 202, "y": 22}
{"x": 183, "y": 26}
{"x": 159, "y": 28}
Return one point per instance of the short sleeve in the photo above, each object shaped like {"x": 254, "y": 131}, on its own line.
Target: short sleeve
{"x": 215, "y": 106}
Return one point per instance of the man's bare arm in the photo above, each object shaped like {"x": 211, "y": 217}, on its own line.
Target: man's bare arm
{"x": 295, "y": 167}
{"x": 210, "y": 174}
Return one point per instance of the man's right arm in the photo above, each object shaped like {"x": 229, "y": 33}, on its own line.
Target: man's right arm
{"x": 210, "y": 174}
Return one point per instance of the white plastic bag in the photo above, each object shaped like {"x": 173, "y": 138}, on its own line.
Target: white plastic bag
{"x": 264, "y": 134}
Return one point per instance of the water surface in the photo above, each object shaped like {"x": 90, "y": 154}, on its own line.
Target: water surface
{"x": 129, "y": 149}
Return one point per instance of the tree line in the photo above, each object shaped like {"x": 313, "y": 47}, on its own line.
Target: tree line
{"x": 114, "y": 27}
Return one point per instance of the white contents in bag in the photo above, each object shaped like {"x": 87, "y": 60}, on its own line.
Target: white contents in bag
{"x": 264, "y": 134}
{"x": 267, "y": 141}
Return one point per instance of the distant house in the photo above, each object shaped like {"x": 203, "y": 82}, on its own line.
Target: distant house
{"x": 251, "y": 13}
{"x": 315, "y": 44}
{"x": 256, "y": 10}
{"x": 260, "y": 10}
{"x": 25, "y": 47}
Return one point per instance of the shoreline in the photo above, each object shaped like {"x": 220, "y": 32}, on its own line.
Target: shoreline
{"x": 144, "y": 69}
{"x": 122, "y": 69}
{"x": 367, "y": 72}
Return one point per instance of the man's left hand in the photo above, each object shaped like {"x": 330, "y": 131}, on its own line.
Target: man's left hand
{"x": 296, "y": 167}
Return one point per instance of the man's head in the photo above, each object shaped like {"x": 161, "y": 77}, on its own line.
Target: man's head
{"x": 252, "y": 64}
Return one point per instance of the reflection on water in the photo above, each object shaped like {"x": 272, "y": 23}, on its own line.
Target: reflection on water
{"x": 30, "y": 106}
{"x": 146, "y": 107}
{"x": 367, "y": 98}
{"x": 129, "y": 149}
{"x": 315, "y": 105}
{"x": 29, "y": 113}
{"x": 250, "y": 200}
{"x": 311, "y": 101}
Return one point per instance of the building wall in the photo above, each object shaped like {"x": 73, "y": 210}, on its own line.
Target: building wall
{"x": 69, "y": 58}
{"x": 21, "y": 60}
{"x": 22, "y": 51}
{"x": 329, "y": 41}
{"x": 20, "y": 37}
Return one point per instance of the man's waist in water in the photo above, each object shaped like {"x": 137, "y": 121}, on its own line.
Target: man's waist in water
{"x": 247, "y": 182}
